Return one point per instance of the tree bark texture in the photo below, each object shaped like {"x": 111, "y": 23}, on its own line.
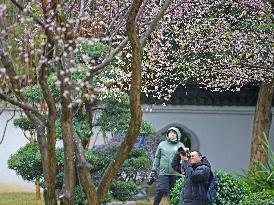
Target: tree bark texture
{"x": 261, "y": 125}
{"x": 135, "y": 103}
{"x": 51, "y": 136}
{"x": 67, "y": 136}
{"x": 65, "y": 64}
{"x": 84, "y": 168}
{"x": 37, "y": 189}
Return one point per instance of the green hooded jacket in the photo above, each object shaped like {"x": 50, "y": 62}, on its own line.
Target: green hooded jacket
{"x": 165, "y": 153}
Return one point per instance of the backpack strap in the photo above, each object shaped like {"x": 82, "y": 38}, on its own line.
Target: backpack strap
{"x": 207, "y": 183}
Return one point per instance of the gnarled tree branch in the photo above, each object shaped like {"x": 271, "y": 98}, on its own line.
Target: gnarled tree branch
{"x": 135, "y": 92}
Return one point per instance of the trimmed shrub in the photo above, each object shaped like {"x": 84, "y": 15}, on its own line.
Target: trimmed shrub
{"x": 231, "y": 189}
{"x": 23, "y": 123}
{"x": 79, "y": 196}
{"x": 123, "y": 190}
{"x": 26, "y": 162}
{"x": 133, "y": 169}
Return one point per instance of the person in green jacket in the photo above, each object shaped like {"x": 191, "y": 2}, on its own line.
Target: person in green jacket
{"x": 162, "y": 162}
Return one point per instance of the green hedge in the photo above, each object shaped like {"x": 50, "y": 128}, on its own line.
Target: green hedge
{"x": 231, "y": 189}
{"x": 123, "y": 190}
{"x": 265, "y": 197}
{"x": 175, "y": 194}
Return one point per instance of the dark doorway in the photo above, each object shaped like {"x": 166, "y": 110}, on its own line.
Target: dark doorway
{"x": 185, "y": 137}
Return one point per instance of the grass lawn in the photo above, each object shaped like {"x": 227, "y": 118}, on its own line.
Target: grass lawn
{"x": 19, "y": 199}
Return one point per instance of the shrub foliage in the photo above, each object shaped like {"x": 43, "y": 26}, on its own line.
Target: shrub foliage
{"x": 26, "y": 162}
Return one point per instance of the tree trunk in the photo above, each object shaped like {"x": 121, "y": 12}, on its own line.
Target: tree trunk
{"x": 65, "y": 64}
{"x": 135, "y": 103}
{"x": 84, "y": 172}
{"x": 67, "y": 136}
{"x": 95, "y": 198}
{"x": 49, "y": 190}
{"x": 69, "y": 161}
{"x": 50, "y": 130}
{"x": 261, "y": 125}
{"x": 37, "y": 189}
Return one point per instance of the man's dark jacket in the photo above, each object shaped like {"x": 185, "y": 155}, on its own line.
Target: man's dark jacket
{"x": 196, "y": 182}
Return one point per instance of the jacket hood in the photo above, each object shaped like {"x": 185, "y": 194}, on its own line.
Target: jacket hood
{"x": 203, "y": 162}
{"x": 206, "y": 162}
{"x": 175, "y": 129}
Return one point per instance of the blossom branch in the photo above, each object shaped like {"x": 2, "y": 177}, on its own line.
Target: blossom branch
{"x": 97, "y": 69}
{"x": 30, "y": 14}
{"x": 248, "y": 5}
{"x": 154, "y": 22}
{"x": 22, "y": 105}
{"x": 14, "y": 80}
{"x": 179, "y": 4}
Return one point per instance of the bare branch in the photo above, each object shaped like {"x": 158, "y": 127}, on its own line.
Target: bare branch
{"x": 97, "y": 69}
{"x": 2, "y": 110}
{"x": 15, "y": 84}
{"x": 5, "y": 129}
{"x": 118, "y": 15}
{"x": 154, "y": 22}
{"x": 22, "y": 105}
{"x": 25, "y": 135}
{"x": 141, "y": 11}
{"x": 120, "y": 24}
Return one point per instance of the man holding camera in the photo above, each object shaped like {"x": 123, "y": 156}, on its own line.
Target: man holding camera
{"x": 162, "y": 161}
{"x": 197, "y": 172}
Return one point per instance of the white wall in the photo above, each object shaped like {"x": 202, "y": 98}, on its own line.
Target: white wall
{"x": 14, "y": 139}
{"x": 224, "y": 133}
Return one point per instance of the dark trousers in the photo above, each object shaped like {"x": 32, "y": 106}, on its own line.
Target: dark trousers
{"x": 164, "y": 185}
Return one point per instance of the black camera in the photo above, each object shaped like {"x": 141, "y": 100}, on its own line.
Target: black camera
{"x": 151, "y": 178}
{"x": 184, "y": 152}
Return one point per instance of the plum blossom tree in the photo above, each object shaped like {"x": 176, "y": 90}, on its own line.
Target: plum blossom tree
{"x": 44, "y": 52}
{"x": 192, "y": 41}
{"x": 220, "y": 45}
{"x": 223, "y": 46}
